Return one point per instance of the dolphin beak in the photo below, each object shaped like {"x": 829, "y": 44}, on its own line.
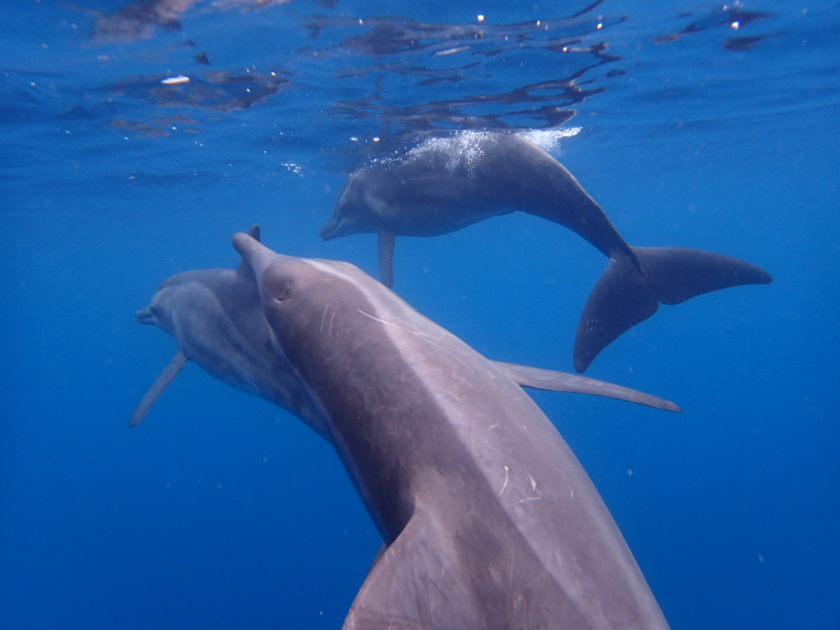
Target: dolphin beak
{"x": 145, "y": 316}
{"x": 331, "y": 228}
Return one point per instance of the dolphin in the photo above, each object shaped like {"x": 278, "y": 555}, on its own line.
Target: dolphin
{"x": 488, "y": 519}
{"x": 445, "y": 184}
{"x": 217, "y": 319}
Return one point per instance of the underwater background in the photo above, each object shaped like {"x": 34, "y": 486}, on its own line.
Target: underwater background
{"x": 138, "y": 138}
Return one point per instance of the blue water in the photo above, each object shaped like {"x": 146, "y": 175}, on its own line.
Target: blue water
{"x": 690, "y": 123}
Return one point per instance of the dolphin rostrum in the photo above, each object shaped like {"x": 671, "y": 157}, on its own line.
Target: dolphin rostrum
{"x": 489, "y": 520}
{"x": 445, "y": 184}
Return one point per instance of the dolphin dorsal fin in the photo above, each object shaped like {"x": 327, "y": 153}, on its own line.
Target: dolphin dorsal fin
{"x": 537, "y": 378}
{"x": 416, "y": 583}
{"x": 244, "y": 268}
{"x": 169, "y": 373}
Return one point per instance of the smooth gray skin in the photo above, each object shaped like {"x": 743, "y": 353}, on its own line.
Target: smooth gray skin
{"x": 446, "y": 184}
{"x": 217, "y": 319}
{"x": 489, "y": 520}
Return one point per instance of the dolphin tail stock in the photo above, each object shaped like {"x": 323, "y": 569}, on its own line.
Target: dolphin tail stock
{"x": 175, "y": 365}
{"x": 632, "y": 287}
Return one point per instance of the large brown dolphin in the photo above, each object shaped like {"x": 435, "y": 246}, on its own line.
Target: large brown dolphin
{"x": 489, "y": 520}
{"x": 446, "y": 184}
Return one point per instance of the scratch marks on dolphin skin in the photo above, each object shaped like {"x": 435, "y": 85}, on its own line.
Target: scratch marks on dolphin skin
{"x": 534, "y": 497}
{"x": 324, "y": 317}
{"x": 505, "y": 483}
{"x": 536, "y": 494}
{"x": 410, "y": 329}
{"x": 327, "y": 319}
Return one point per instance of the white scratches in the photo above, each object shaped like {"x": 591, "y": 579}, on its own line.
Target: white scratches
{"x": 536, "y": 494}
{"x": 383, "y": 321}
{"x": 410, "y": 329}
{"x": 493, "y": 427}
{"x": 505, "y": 483}
{"x": 327, "y": 319}
{"x": 324, "y": 316}
{"x": 535, "y": 497}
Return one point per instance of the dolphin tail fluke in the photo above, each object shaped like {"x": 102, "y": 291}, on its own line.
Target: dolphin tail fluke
{"x": 631, "y": 288}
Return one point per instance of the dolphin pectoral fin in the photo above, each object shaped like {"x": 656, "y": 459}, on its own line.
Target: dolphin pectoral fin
{"x": 632, "y": 286}
{"x": 417, "y": 584}
{"x": 166, "y": 377}
{"x": 386, "y": 257}
{"x": 537, "y": 378}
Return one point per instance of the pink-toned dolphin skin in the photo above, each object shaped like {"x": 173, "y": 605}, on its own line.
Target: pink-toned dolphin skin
{"x": 489, "y": 520}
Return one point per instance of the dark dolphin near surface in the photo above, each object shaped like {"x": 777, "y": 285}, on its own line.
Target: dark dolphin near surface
{"x": 445, "y": 184}
{"x": 489, "y": 521}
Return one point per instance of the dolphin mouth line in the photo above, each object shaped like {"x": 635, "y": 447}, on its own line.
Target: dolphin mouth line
{"x": 330, "y": 229}
{"x": 145, "y": 316}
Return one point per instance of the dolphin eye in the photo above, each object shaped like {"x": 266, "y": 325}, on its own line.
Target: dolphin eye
{"x": 283, "y": 292}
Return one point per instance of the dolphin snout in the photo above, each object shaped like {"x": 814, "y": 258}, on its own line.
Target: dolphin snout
{"x": 330, "y": 229}
{"x": 145, "y": 316}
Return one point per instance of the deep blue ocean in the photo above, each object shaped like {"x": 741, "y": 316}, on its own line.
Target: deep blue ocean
{"x": 137, "y": 139}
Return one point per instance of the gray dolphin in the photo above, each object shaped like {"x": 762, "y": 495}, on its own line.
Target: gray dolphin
{"x": 446, "y": 184}
{"x": 217, "y": 318}
{"x": 489, "y": 521}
